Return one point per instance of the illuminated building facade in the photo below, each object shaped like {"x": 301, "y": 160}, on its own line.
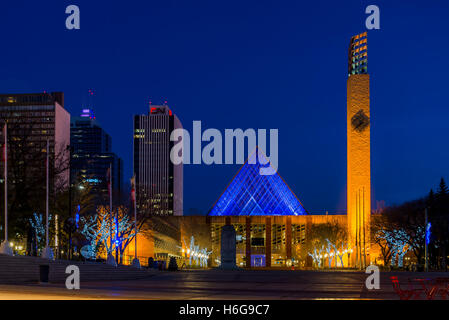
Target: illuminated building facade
{"x": 358, "y": 149}
{"x": 159, "y": 182}
{"x": 32, "y": 120}
{"x": 273, "y": 229}
{"x": 271, "y": 241}
{"x": 92, "y": 154}
{"x": 267, "y": 216}
{"x": 170, "y": 236}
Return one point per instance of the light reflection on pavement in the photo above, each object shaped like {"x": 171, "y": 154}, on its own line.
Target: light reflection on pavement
{"x": 218, "y": 285}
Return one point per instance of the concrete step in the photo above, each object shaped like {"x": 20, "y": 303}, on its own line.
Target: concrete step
{"x": 21, "y": 269}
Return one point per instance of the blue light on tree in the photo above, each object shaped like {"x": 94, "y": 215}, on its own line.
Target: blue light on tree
{"x": 38, "y": 224}
{"x": 199, "y": 256}
{"x": 96, "y": 229}
{"x": 428, "y": 232}
{"x": 398, "y": 240}
{"x": 117, "y": 236}
{"x": 77, "y": 216}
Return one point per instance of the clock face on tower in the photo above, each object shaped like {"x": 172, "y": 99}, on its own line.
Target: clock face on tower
{"x": 360, "y": 121}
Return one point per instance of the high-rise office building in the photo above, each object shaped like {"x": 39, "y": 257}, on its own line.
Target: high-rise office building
{"x": 358, "y": 149}
{"x": 92, "y": 154}
{"x": 32, "y": 120}
{"x": 159, "y": 182}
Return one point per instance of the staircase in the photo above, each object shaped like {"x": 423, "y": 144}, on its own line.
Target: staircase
{"x": 25, "y": 269}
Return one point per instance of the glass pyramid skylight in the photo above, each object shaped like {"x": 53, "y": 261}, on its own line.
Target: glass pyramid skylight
{"x": 253, "y": 194}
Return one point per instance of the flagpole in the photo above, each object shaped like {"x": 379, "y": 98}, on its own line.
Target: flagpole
{"x": 135, "y": 222}
{"x": 5, "y": 248}
{"x": 136, "y": 262}
{"x": 110, "y": 202}
{"x": 110, "y": 259}
{"x": 6, "y": 182}
{"x": 46, "y": 200}
{"x": 47, "y": 253}
{"x": 117, "y": 241}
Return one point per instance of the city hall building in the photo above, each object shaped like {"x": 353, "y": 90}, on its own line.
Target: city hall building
{"x": 272, "y": 226}
{"x": 273, "y": 229}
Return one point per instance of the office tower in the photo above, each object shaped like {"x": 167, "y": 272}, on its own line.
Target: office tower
{"x": 92, "y": 155}
{"x": 358, "y": 149}
{"x": 159, "y": 182}
{"x": 35, "y": 118}
{"x": 32, "y": 119}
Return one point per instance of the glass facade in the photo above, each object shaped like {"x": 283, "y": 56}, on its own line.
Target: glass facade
{"x": 158, "y": 180}
{"x": 276, "y": 241}
{"x": 253, "y": 194}
{"x": 92, "y": 155}
{"x": 33, "y": 119}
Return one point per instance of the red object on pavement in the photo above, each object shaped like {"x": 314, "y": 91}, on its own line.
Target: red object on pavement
{"x": 404, "y": 294}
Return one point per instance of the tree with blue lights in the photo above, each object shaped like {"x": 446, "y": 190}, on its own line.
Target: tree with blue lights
{"x": 38, "y": 224}
{"x": 199, "y": 256}
{"x": 317, "y": 255}
{"x": 96, "y": 230}
{"x": 325, "y": 238}
{"x": 402, "y": 229}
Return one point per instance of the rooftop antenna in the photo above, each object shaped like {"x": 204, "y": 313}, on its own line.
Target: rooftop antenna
{"x": 90, "y": 103}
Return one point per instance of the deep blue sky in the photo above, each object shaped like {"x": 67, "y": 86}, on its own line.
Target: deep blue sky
{"x": 250, "y": 64}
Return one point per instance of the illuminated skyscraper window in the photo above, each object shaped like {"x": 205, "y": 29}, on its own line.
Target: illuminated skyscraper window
{"x": 358, "y": 55}
{"x": 251, "y": 193}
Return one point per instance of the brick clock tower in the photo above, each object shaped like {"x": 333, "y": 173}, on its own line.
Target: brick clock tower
{"x": 358, "y": 151}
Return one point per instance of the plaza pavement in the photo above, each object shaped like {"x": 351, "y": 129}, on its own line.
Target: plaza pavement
{"x": 223, "y": 285}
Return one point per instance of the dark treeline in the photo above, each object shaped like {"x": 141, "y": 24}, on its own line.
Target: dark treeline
{"x": 407, "y": 221}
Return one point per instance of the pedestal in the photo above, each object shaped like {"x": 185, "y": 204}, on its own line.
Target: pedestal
{"x": 111, "y": 261}
{"x": 47, "y": 253}
{"x": 228, "y": 248}
{"x": 136, "y": 263}
{"x": 5, "y": 248}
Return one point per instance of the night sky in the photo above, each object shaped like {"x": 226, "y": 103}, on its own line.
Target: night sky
{"x": 250, "y": 64}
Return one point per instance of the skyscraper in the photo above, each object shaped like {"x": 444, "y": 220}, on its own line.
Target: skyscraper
{"x": 32, "y": 120}
{"x": 159, "y": 182}
{"x": 92, "y": 154}
{"x": 358, "y": 149}
{"x": 35, "y": 118}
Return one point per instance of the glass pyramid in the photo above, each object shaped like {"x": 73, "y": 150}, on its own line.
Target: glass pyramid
{"x": 253, "y": 194}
